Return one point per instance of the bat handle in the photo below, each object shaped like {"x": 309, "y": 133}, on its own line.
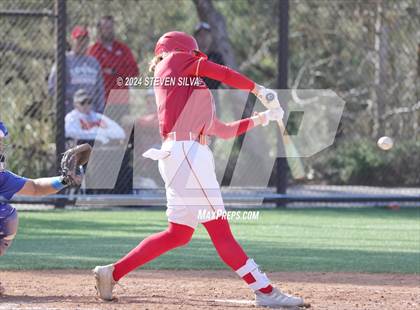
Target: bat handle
{"x": 283, "y": 131}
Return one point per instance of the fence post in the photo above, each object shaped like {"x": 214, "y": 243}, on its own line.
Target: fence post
{"x": 60, "y": 91}
{"x": 282, "y": 62}
{"x": 237, "y": 144}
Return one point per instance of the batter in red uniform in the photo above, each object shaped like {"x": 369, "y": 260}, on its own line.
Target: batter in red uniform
{"x": 186, "y": 118}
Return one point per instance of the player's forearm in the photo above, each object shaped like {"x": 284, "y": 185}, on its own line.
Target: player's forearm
{"x": 42, "y": 186}
{"x": 233, "y": 129}
{"x": 257, "y": 119}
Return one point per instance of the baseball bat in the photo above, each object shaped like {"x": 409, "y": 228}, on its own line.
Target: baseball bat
{"x": 294, "y": 161}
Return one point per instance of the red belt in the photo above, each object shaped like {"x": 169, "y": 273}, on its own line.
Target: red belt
{"x": 187, "y": 136}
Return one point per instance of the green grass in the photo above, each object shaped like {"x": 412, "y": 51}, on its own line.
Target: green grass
{"x": 352, "y": 240}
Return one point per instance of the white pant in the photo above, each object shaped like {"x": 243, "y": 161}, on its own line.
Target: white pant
{"x": 192, "y": 191}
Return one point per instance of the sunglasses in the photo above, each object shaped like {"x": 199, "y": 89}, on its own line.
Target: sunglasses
{"x": 85, "y": 102}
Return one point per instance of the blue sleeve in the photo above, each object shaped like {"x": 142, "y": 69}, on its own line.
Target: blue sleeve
{"x": 11, "y": 184}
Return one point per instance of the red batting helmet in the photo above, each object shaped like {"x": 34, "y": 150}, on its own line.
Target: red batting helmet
{"x": 177, "y": 41}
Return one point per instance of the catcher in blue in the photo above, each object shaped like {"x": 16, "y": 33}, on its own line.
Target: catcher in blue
{"x": 12, "y": 184}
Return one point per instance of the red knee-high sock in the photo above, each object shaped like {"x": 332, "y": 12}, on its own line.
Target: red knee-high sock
{"x": 174, "y": 236}
{"x": 229, "y": 249}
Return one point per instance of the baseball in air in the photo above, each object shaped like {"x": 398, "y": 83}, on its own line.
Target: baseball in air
{"x": 385, "y": 143}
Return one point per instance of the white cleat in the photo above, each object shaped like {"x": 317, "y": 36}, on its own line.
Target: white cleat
{"x": 104, "y": 281}
{"x": 277, "y": 299}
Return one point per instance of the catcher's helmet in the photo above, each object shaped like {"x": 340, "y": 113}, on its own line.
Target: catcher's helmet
{"x": 177, "y": 41}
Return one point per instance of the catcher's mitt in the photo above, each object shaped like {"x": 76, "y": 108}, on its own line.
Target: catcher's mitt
{"x": 71, "y": 161}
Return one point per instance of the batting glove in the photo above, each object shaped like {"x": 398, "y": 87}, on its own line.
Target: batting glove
{"x": 271, "y": 115}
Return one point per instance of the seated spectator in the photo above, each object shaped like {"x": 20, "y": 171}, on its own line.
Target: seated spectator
{"x": 82, "y": 71}
{"x": 82, "y": 123}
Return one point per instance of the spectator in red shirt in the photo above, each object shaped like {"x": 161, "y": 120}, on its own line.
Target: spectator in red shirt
{"x": 116, "y": 60}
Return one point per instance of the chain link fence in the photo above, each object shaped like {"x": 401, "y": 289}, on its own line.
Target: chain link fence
{"x": 26, "y": 56}
{"x": 365, "y": 51}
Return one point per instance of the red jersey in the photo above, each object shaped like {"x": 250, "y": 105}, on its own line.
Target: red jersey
{"x": 185, "y": 104}
{"x": 115, "y": 62}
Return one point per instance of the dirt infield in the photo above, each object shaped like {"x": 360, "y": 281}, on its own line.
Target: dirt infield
{"x": 74, "y": 289}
